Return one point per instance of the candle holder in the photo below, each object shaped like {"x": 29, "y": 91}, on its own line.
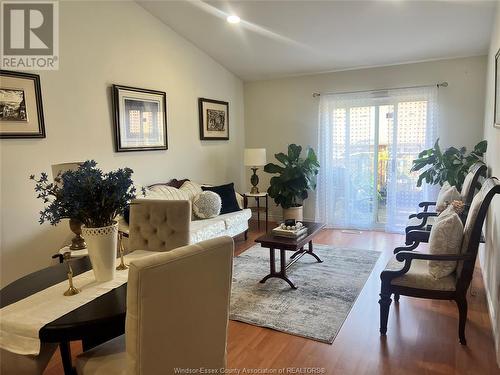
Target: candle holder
{"x": 122, "y": 265}
{"x": 72, "y": 290}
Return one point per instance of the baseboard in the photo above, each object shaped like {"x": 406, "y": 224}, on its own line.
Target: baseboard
{"x": 491, "y": 313}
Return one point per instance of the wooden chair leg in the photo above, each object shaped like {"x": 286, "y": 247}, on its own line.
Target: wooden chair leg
{"x": 462, "y": 314}
{"x": 385, "y": 303}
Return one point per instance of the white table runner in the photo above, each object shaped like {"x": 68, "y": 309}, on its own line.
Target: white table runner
{"x": 20, "y": 322}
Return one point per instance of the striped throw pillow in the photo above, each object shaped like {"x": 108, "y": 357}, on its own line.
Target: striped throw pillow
{"x": 167, "y": 193}
{"x": 191, "y": 189}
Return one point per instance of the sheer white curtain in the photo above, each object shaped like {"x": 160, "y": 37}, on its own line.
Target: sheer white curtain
{"x": 366, "y": 144}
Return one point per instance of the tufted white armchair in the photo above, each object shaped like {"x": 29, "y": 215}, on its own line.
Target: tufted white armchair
{"x": 159, "y": 225}
{"x": 177, "y": 314}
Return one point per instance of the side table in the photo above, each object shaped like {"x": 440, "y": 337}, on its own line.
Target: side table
{"x": 258, "y": 208}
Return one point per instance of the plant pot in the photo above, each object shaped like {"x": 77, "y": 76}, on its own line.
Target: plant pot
{"x": 295, "y": 213}
{"x": 102, "y": 244}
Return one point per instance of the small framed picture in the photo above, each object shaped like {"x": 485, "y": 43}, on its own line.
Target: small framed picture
{"x": 214, "y": 119}
{"x": 21, "y": 109}
{"x": 140, "y": 119}
{"x": 497, "y": 90}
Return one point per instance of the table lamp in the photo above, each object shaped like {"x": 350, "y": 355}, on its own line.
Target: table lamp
{"x": 77, "y": 242}
{"x": 254, "y": 158}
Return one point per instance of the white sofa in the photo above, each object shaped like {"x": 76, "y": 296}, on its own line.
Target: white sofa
{"x": 231, "y": 224}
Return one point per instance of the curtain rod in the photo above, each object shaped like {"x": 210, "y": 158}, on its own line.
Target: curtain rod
{"x": 438, "y": 85}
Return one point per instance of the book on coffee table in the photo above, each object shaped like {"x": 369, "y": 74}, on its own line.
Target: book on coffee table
{"x": 289, "y": 233}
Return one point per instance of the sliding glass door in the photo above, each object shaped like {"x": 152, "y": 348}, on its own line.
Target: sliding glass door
{"x": 366, "y": 146}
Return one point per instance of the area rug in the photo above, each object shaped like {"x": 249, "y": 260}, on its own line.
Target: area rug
{"x": 325, "y": 295}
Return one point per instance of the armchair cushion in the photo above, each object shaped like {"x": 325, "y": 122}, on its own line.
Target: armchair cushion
{"x": 418, "y": 276}
{"x": 445, "y": 238}
{"x": 447, "y": 194}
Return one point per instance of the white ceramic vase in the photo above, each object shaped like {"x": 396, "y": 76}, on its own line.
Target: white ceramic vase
{"x": 101, "y": 245}
{"x": 295, "y": 213}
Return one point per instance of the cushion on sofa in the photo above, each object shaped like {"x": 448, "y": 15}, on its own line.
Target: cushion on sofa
{"x": 227, "y": 195}
{"x": 191, "y": 189}
{"x": 234, "y": 219}
{"x": 228, "y": 224}
{"x": 445, "y": 238}
{"x": 168, "y": 193}
{"x": 206, "y": 205}
{"x": 201, "y": 230}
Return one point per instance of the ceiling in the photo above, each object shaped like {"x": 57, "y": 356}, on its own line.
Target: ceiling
{"x": 282, "y": 38}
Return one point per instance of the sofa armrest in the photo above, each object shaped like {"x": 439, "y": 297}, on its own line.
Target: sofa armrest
{"x": 240, "y": 200}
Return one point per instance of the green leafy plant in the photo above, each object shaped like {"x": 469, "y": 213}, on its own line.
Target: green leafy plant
{"x": 295, "y": 178}
{"x": 87, "y": 194}
{"x": 449, "y": 165}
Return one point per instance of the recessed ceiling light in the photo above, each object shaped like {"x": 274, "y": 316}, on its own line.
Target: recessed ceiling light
{"x": 233, "y": 19}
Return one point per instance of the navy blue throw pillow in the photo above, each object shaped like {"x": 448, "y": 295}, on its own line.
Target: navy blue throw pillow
{"x": 227, "y": 196}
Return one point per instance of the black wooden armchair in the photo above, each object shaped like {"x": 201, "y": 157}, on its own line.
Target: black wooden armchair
{"x": 419, "y": 224}
{"x": 407, "y": 273}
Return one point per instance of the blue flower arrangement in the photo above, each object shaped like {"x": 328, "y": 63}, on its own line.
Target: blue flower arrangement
{"x": 87, "y": 194}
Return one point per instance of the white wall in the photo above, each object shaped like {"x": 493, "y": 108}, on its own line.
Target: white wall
{"x": 282, "y": 111}
{"x": 102, "y": 43}
{"x": 490, "y": 255}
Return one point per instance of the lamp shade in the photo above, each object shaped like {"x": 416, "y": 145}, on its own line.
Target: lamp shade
{"x": 63, "y": 167}
{"x": 255, "y": 157}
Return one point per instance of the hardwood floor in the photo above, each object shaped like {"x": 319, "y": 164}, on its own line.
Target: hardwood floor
{"x": 422, "y": 335}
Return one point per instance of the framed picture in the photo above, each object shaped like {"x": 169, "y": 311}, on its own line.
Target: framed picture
{"x": 21, "y": 109}
{"x": 140, "y": 119}
{"x": 497, "y": 90}
{"x": 214, "y": 119}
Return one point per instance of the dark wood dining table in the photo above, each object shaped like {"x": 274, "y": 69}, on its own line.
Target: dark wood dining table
{"x": 93, "y": 323}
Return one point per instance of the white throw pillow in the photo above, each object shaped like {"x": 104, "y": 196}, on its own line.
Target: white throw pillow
{"x": 446, "y": 195}
{"x": 206, "y": 205}
{"x": 165, "y": 192}
{"x": 169, "y": 193}
{"x": 445, "y": 238}
{"x": 191, "y": 189}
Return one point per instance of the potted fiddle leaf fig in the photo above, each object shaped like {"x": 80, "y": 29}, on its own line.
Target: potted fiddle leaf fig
{"x": 293, "y": 179}
{"x": 450, "y": 165}
{"x": 94, "y": 198}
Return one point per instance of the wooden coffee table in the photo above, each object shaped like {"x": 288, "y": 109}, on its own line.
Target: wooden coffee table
{"x": 284, "y": 244}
